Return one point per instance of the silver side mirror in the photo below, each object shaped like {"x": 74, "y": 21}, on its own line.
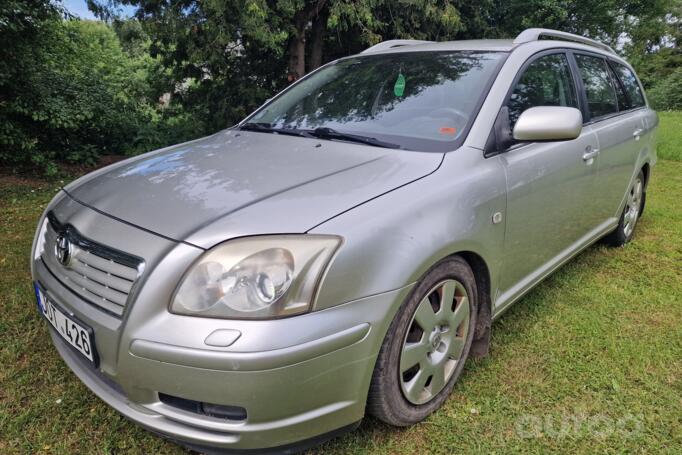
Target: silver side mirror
{"x": 548, "y": 123}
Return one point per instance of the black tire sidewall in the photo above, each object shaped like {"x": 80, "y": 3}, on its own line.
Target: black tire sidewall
{"x": 618, "y": 237}
{"x": 396, "y": 408}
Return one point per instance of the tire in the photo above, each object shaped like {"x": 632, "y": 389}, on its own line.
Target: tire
{"x": 634, "y": 207}
{"x": 396, "y": 395}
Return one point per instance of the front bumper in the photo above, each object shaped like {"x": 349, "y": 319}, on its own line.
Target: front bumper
{"x": 292, "y": 393}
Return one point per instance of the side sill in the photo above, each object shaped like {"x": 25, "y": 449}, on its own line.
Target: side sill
{"x": 528, "y": 283}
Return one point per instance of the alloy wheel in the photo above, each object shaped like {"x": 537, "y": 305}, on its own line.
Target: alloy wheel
{"x": 434, "y": 342}
{"x": 632, "y": 206}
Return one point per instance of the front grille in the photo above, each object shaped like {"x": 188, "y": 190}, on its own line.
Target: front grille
{"x": 98, "y": 274}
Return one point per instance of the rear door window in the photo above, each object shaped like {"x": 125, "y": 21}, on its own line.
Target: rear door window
{"x": 599, "y": 87}
{"x": 630, "y": 84}
{"x": 623, "y": 100}
{"x": 546, "y": 81}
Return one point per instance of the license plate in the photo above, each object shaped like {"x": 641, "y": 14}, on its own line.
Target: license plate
{"x": 72, "y": 331}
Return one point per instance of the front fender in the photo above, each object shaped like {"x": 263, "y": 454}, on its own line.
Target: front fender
{"x": 391, "y": 241}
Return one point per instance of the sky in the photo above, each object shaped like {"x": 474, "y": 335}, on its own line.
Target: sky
{"x": 80, "y": 8}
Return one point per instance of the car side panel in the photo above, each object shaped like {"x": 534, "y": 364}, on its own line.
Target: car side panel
{"x": 618, "y": 156}
{"x": 550, "y": 197}
{"x": 393, "y": 240}
{"x": 649, "y": 136}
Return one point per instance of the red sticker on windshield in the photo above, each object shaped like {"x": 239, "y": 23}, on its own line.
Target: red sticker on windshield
{"x": 448, "y": 130}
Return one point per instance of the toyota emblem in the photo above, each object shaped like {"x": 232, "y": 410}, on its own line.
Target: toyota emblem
{"x": 62, "y": 249}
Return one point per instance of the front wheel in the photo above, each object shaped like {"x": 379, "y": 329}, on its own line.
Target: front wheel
{"x": 426, "y": 346}
{"x": 634, "y": 205}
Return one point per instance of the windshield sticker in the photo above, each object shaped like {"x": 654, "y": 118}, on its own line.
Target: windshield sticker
{"x": 399, "y": 87}
{"x": 448, "y": 130}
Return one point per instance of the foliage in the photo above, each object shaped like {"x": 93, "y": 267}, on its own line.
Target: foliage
{"x": 233, "y": 54}
{"x": 72, "y": 90}
{"x": 21, "y": 28}
{"x": 239, "y": 52}
{"x": 667, "y": 94}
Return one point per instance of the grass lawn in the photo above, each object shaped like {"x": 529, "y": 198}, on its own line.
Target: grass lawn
{"x": 590, "y": 361}
{"x": 670, "y": 138}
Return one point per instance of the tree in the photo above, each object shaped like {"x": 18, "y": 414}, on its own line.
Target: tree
{"x": 73, "y": 89}
{"x": 654, "y": 48}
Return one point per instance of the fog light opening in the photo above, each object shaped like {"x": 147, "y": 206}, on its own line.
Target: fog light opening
{"x": 218, "y": 411}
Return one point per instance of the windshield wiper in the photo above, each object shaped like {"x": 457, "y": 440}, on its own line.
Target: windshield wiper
{"x": 329, "y": 133}
{"x": 267, "y": 128}
{"x": 322, "y": 133}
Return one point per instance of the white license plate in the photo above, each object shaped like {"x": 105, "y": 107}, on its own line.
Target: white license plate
{"x": 75, "y": 333}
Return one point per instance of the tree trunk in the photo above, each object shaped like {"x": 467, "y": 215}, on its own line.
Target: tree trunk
{"x": 297, "y": 48}
{"x": 318, "y": 13}
{"x": 318, "y": 34}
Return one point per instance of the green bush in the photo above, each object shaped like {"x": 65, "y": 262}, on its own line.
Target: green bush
{"x": 70, "y": 92}
{"x": 75, "y": 95}
{"x": 667, "y": 94}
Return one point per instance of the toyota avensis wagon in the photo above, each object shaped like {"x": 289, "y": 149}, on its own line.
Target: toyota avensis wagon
{"x": 344, "y": 248}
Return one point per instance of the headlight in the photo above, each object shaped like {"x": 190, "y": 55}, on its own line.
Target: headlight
{"x": 256, "y": 278}
{"x": 39, "y": 243}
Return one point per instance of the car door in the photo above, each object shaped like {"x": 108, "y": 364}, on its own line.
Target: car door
{"x": 636, "y": 106}
{"x": 549, "y": 184}
{"x": 618, "y": 127}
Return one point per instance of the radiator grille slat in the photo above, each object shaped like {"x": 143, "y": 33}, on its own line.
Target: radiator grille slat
{"x": 114, "y": 282}
{"x": 100, "y": 280}
{"x": 106, "y": 264}
{"x": 96, "y": 288}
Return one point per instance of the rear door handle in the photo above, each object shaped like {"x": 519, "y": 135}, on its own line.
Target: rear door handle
{"x": 590, "y": 154}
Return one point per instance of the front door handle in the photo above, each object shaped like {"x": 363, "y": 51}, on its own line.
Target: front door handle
{"x": 637, "y": 133}
{"x": 590, "y": 154}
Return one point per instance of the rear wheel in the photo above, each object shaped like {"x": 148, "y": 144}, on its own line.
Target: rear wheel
{"x": 634, "y": 206}
{"x": 426, "y": 346}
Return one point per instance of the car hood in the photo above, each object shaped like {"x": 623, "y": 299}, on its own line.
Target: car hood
{"x": 237, "y": 183}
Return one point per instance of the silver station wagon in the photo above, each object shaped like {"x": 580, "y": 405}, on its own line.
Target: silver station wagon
{"x": 345, "y": 248}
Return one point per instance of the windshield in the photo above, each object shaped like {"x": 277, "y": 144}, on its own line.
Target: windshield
{"x": 417, "y": 101}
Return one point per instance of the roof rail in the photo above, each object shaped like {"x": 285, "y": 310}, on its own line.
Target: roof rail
{"x": 390, "y": 44}
{"x": 534, "y": 34}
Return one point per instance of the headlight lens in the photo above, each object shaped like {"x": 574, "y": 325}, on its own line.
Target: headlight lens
{"x": 256, "y": 278}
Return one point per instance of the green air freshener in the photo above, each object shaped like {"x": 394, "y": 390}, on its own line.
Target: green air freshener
{"x": 399, "y": 87}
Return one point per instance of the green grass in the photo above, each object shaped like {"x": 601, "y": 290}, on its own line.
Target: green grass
{"x": 598, "y": 343}
{"x": 670, "y": 137}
